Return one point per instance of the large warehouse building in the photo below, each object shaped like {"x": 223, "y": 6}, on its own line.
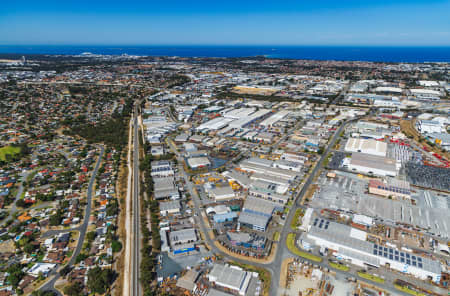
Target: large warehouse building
{"x": 230, "y": 277}
{"x": 370, "y": 146}
{"x": 351, "y": 244}
{"x": 268, "y": 122}
{"x": 257, "y": 212}
{"x": 265, "y": 167}
{"x": 215, "y": 124}
{"x": 372, "y": 164}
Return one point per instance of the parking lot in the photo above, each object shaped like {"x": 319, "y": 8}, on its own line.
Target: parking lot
{"x": 172, "y": 265}
{"x": 428, "y": 176}
{"x": 336, "y": 160}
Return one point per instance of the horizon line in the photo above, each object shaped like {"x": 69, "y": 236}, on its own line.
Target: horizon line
{"x": 229, "y": 45}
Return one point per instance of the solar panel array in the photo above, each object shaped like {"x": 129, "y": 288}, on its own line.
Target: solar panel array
{"x": 398, "y": 256}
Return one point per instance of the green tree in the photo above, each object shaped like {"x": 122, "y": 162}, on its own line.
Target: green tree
{"x": 15, "y": 274}
{"x": 100, "y": 280}
{"x": 90, "y": 236}
{"x": 74, "y": 289}
{"x": 116, "y": 246}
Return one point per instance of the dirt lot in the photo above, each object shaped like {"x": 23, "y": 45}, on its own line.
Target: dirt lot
{"x": 283, "y": 274}
{"x": 407, "y": 127}
{"x": 7, "y": 247}
{"x": 308, "y": 195}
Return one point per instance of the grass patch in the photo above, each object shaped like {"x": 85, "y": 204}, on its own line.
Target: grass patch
{"x": 264, "y": 275}
{"x": 371, "y": 277}
{"x": 276, "y": 236}
{"x": 8, "y": 150}
{"x": 296, "y": 222}
{"x": 339, "y": 266}
{"x": 408, "y": 290}
{"x": 327, "y": 160}
{"x": 290, "y": 242}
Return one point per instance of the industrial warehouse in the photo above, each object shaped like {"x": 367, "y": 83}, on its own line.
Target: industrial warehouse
{"x": 351, "y": 244}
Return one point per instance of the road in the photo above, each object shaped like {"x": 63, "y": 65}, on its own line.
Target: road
{"x": 282, "y": 252}
{"x": 13, "y": 210}
{"x": 50, "y": 285}
{"x": 136, "y": 254}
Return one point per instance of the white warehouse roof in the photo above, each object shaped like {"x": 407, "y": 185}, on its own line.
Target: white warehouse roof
{"x": 368, "y": 146}
{"x": 275, "y": 118}
{"x": 215, "y": 124}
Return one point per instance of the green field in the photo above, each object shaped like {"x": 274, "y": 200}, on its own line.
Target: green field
{"x": 407, "y": 290}
{"x": 339, "y": 266}
{"x": 290, "y": 242}
{"x": 297, "y": 221}
{"x": 371, "y": 277}
{"x": 8, "y": 150}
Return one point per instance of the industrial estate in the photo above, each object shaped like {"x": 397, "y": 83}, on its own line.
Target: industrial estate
{"x": 137, "y": 175}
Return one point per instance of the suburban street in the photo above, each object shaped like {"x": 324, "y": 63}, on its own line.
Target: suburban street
{"x": 50, "y": 285}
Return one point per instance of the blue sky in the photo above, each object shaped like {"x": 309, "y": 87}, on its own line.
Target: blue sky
{"x": 229, "y": 22}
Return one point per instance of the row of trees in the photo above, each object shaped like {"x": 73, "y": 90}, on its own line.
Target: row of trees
{"x": 149, "y": 251}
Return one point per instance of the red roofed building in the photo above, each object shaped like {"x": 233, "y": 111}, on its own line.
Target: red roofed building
{"x": 391, "y": 187}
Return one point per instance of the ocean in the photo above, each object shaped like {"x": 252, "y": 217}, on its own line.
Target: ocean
{"x": 405, "y": 54}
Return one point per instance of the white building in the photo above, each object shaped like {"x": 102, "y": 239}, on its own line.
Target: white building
{"x": 351, "y": 244}
{"x": 388, "y": 89}
{"x": 369, "y": 146}
{"x": 230, "y": 277}
{"x": 274, "y": 118}
{"x": 41, "y": 268}
{"x": 426, "y": 94}
{"x": 372, "y": 164}
{"x": 268, "y": 171}
{"x": 243, "y": 121}
{"x": 169, "y": 207}
{"x": 288, "y": 165}
{"x": 429, "y": 126}
{"x": 429, "y": 83}
{"x": 221, "y": 193}
{"x": 239, "y": 113}
{"x": 215, "y": 124}
{"x": 161, "y": 168}
{"x": 198, "y": 162}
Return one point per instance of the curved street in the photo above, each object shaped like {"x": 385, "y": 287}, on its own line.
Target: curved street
{"x": 282, "y": 252}
{"x": 50, "y": 285}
